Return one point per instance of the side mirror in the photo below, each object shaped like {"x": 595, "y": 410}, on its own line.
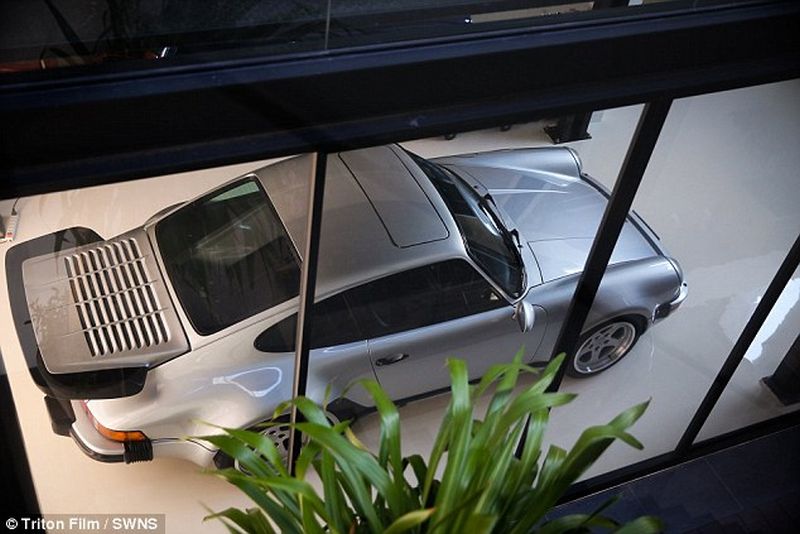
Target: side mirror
{"x": 524, "y": 314}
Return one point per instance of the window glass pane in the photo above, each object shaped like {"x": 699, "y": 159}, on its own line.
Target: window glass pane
{"x": 555, "y": 198}
{"x": 49, "y": 35}
{"x": 488, "y": 240}
{"x": 245, "y": 384}
{"x": 723, "y": 203}
{"x": 280, "y": 337}
{"x": 766, "y": 383}
{"x": 37, "y": 36}
{"x": 228, "y": 256}
{"x": 422, "y": 297}
{"x": 67, "y": 480}
{"x": 332, "y": 324}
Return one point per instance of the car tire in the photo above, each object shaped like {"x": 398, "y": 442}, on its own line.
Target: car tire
{"x": 605, "y": 345}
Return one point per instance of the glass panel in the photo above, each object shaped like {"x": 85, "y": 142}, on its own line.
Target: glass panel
{"x": 333, "y": 325}
{"x": 47, "y": 35}
{"x": 68, "y": 481}
{"x": 448, "y": 308}
{"x": 748, "y": 399}
{"x": 422, "y": 297}
{"x": 723, "y": 203}
{"x": 721, "y": 200}
{"x": 228, "y": 256}
{"x": 490, "y": 242}
{"x": 550, "y": 195}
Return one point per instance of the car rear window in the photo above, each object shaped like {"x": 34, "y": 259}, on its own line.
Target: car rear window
{"x": 228, "y": 256}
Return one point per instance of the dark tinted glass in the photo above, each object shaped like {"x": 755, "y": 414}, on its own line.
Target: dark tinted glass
{"x": 333, "y": 324}
{"x": 47, "y": 35}
{"x": 421, "y": 297}
{"x": 228, "y": 257}
{"x": 488, "y": 241}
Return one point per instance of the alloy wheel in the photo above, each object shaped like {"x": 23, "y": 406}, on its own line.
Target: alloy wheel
{"x": 280, "y": 435}
{"x": 604, "y": 347}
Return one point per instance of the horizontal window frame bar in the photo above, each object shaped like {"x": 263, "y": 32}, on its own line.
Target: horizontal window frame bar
{"x": 86, "y": 83}
{"x": 128, "y": 115}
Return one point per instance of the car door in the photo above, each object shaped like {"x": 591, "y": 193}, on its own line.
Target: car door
{"x": 339, "y": 351}
{"x": 417, "y": 319}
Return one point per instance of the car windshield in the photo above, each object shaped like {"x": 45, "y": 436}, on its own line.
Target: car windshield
{"x": 228, "y": 256}
{"x": 488, "y": 242}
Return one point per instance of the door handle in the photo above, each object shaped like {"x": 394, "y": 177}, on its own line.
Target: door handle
{"x": 389, "y": 360}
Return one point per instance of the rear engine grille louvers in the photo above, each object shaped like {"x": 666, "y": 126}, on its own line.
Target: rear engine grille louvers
{"x": 115, "y": 299}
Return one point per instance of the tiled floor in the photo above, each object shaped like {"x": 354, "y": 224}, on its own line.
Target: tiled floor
{"x": 754, "y": 487}
{"x": 721, "y": 191}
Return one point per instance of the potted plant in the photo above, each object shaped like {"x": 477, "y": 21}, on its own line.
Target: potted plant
{"x": 486, "y": 483}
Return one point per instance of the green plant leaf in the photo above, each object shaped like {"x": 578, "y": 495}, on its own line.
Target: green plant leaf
{"x": 287, "y": 521}
{"x": 577, "y": 522}
{"x": 507, "y": 381}
{"x": 261, "y": 444}
{"x": 352, "y": 438}
{"x": 357, "y": 466}
{"x": 642, "y": 525}
{"x": 390, "y": 447}
{"x": 310, "y": 524}
{"x": 419, "y": 468}
{"x": 447, "y": 521}
{"x": 539, "y": 501}
{"x": 409, "y": 521}
{"x": 553, "y": 482}
{"x": 335, "y": 501}
{"x": 308, "y": 453}
{"x": 252, "y": 520}
{"x": 257, "y": 485}
{"x": 455, "y": 479}
{"x": 481, "y": 523}
{"x": 484, "y": 486}
{"x": 240, "y": 451}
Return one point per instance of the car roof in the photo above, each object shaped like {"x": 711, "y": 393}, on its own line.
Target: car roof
{"x": 381, "y": 215}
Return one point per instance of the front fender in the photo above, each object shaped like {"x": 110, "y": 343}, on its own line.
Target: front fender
{"x": 628, "y": 288}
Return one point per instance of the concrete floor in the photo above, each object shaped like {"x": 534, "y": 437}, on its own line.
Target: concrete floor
{"x": 721, "y": 190}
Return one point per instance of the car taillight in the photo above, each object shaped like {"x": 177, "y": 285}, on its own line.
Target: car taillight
{"x": 113, "y": 435}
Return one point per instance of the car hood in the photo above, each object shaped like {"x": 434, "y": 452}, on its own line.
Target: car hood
{"x": 541, "y": 194}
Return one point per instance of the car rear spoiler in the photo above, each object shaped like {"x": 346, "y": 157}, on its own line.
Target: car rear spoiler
{"x": 98, "y": 384}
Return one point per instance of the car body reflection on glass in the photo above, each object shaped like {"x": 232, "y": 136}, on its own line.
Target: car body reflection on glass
{"x": 141, "y": 338}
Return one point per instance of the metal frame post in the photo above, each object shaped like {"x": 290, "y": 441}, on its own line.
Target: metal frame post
{"x": 308, "y": 286}
{"x": 630, "y": 176}
{"x": 619, "y": 205}
{"x": 570, "y": 128}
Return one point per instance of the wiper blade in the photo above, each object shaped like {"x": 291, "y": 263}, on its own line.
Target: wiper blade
{"x": 485, "y": 199}
{"x": 489, "y": 198}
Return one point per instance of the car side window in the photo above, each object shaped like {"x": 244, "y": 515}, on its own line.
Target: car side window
{"x": 333, "y": 324}
{"x": 421, "y": 297}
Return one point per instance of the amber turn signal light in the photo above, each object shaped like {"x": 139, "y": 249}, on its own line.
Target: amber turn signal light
{"x": 113, "y": 435}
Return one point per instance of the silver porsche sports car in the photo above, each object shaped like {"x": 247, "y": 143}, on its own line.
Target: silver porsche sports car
{"x": 139, "y": 339}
